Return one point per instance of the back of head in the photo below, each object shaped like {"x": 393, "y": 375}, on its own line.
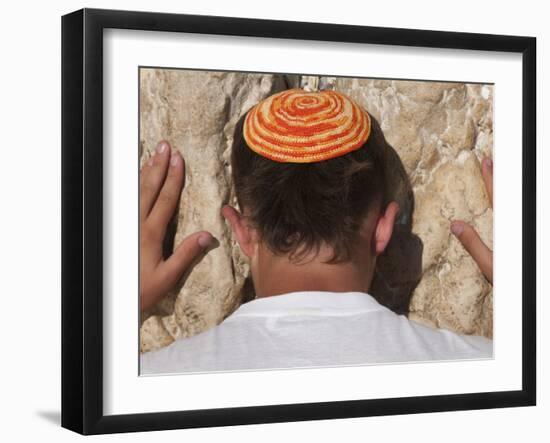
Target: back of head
{"x": 299, "y": 207}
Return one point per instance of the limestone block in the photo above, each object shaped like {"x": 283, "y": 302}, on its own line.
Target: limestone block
{"x": 196, "y": 111}
{"x": 440, "y": 132}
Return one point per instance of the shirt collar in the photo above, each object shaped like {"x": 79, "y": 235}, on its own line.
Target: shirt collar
{"x": 309, "y": 303}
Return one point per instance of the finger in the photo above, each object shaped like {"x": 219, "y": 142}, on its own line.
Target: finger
{"x": 190, "y": 249}
{"x": 169, "y": 195}
{"x": 487, "y": 173}
{"x": 479, "y": 251}
{"x": 153, "y": 178}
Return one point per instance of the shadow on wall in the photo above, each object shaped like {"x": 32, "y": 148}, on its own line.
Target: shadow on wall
{"x": 399, "y": 268}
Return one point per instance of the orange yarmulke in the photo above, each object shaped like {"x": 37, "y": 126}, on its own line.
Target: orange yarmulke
{"x": 296, "y": 126}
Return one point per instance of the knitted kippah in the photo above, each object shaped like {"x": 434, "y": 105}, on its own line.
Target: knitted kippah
{"x": 296, "y": 126}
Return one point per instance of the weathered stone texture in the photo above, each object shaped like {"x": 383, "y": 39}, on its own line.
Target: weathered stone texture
{"x": 438, "y": 132}
{"x": 197, "y": 111}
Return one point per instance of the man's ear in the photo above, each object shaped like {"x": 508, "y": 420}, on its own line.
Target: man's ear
{"x": 243, "y": 232}
{"x": 384, "y": 228}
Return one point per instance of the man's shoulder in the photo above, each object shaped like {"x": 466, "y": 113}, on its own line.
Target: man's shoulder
{"x": 299, "y": 332}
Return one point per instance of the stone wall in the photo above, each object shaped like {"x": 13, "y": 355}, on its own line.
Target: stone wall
{"x": 440, "y": 132}
{"x": 436, "y": 134}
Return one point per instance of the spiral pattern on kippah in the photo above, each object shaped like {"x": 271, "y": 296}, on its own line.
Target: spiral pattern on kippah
{"x": 296, "y": 126}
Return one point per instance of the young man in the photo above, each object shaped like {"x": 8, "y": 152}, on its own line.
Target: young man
{"x": 309, "y": 176}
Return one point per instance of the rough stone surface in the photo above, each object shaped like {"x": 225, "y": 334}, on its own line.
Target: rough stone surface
{"x": 440, "y": 132}
{"x": 196, "y": 111}
{"x": 436, "y": 135}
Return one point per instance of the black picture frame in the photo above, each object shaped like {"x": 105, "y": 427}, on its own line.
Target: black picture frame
{"x": 82, "y": 219}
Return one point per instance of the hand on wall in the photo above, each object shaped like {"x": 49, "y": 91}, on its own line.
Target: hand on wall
{"x": 161, "y": 183}
{"x": 468, "y": 236}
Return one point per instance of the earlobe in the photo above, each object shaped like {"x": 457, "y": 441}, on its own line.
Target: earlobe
{"x": 240, "y": 229}
{"x": 384, "y": 228}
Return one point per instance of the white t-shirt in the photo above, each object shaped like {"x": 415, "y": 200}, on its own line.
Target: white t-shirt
{"x": 312, "y": 329}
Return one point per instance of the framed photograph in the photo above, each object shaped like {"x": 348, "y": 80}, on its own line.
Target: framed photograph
{"x": 268, "y": 221}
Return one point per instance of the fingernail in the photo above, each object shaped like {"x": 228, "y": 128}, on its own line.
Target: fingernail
{"x": 488, "y": 162}
{"x": 161, "y": 147}
{"x": 205, "y": 240}
{"x": 457, "y": 227}
{"x": 174, "y": 160}
{"x": 150, "y": 161}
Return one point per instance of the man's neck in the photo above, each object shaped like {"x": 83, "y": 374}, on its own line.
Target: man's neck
{"x": 278, "y": 275}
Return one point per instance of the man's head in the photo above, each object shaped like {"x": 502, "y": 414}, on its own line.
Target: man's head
{"x": 326, "y": 212}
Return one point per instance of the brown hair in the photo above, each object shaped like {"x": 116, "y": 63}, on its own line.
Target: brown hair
{"x": 298, "y": 207}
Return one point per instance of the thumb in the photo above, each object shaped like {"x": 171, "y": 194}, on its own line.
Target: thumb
{"x": 479, "y": 251}
{"x": 190, "y": 249}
